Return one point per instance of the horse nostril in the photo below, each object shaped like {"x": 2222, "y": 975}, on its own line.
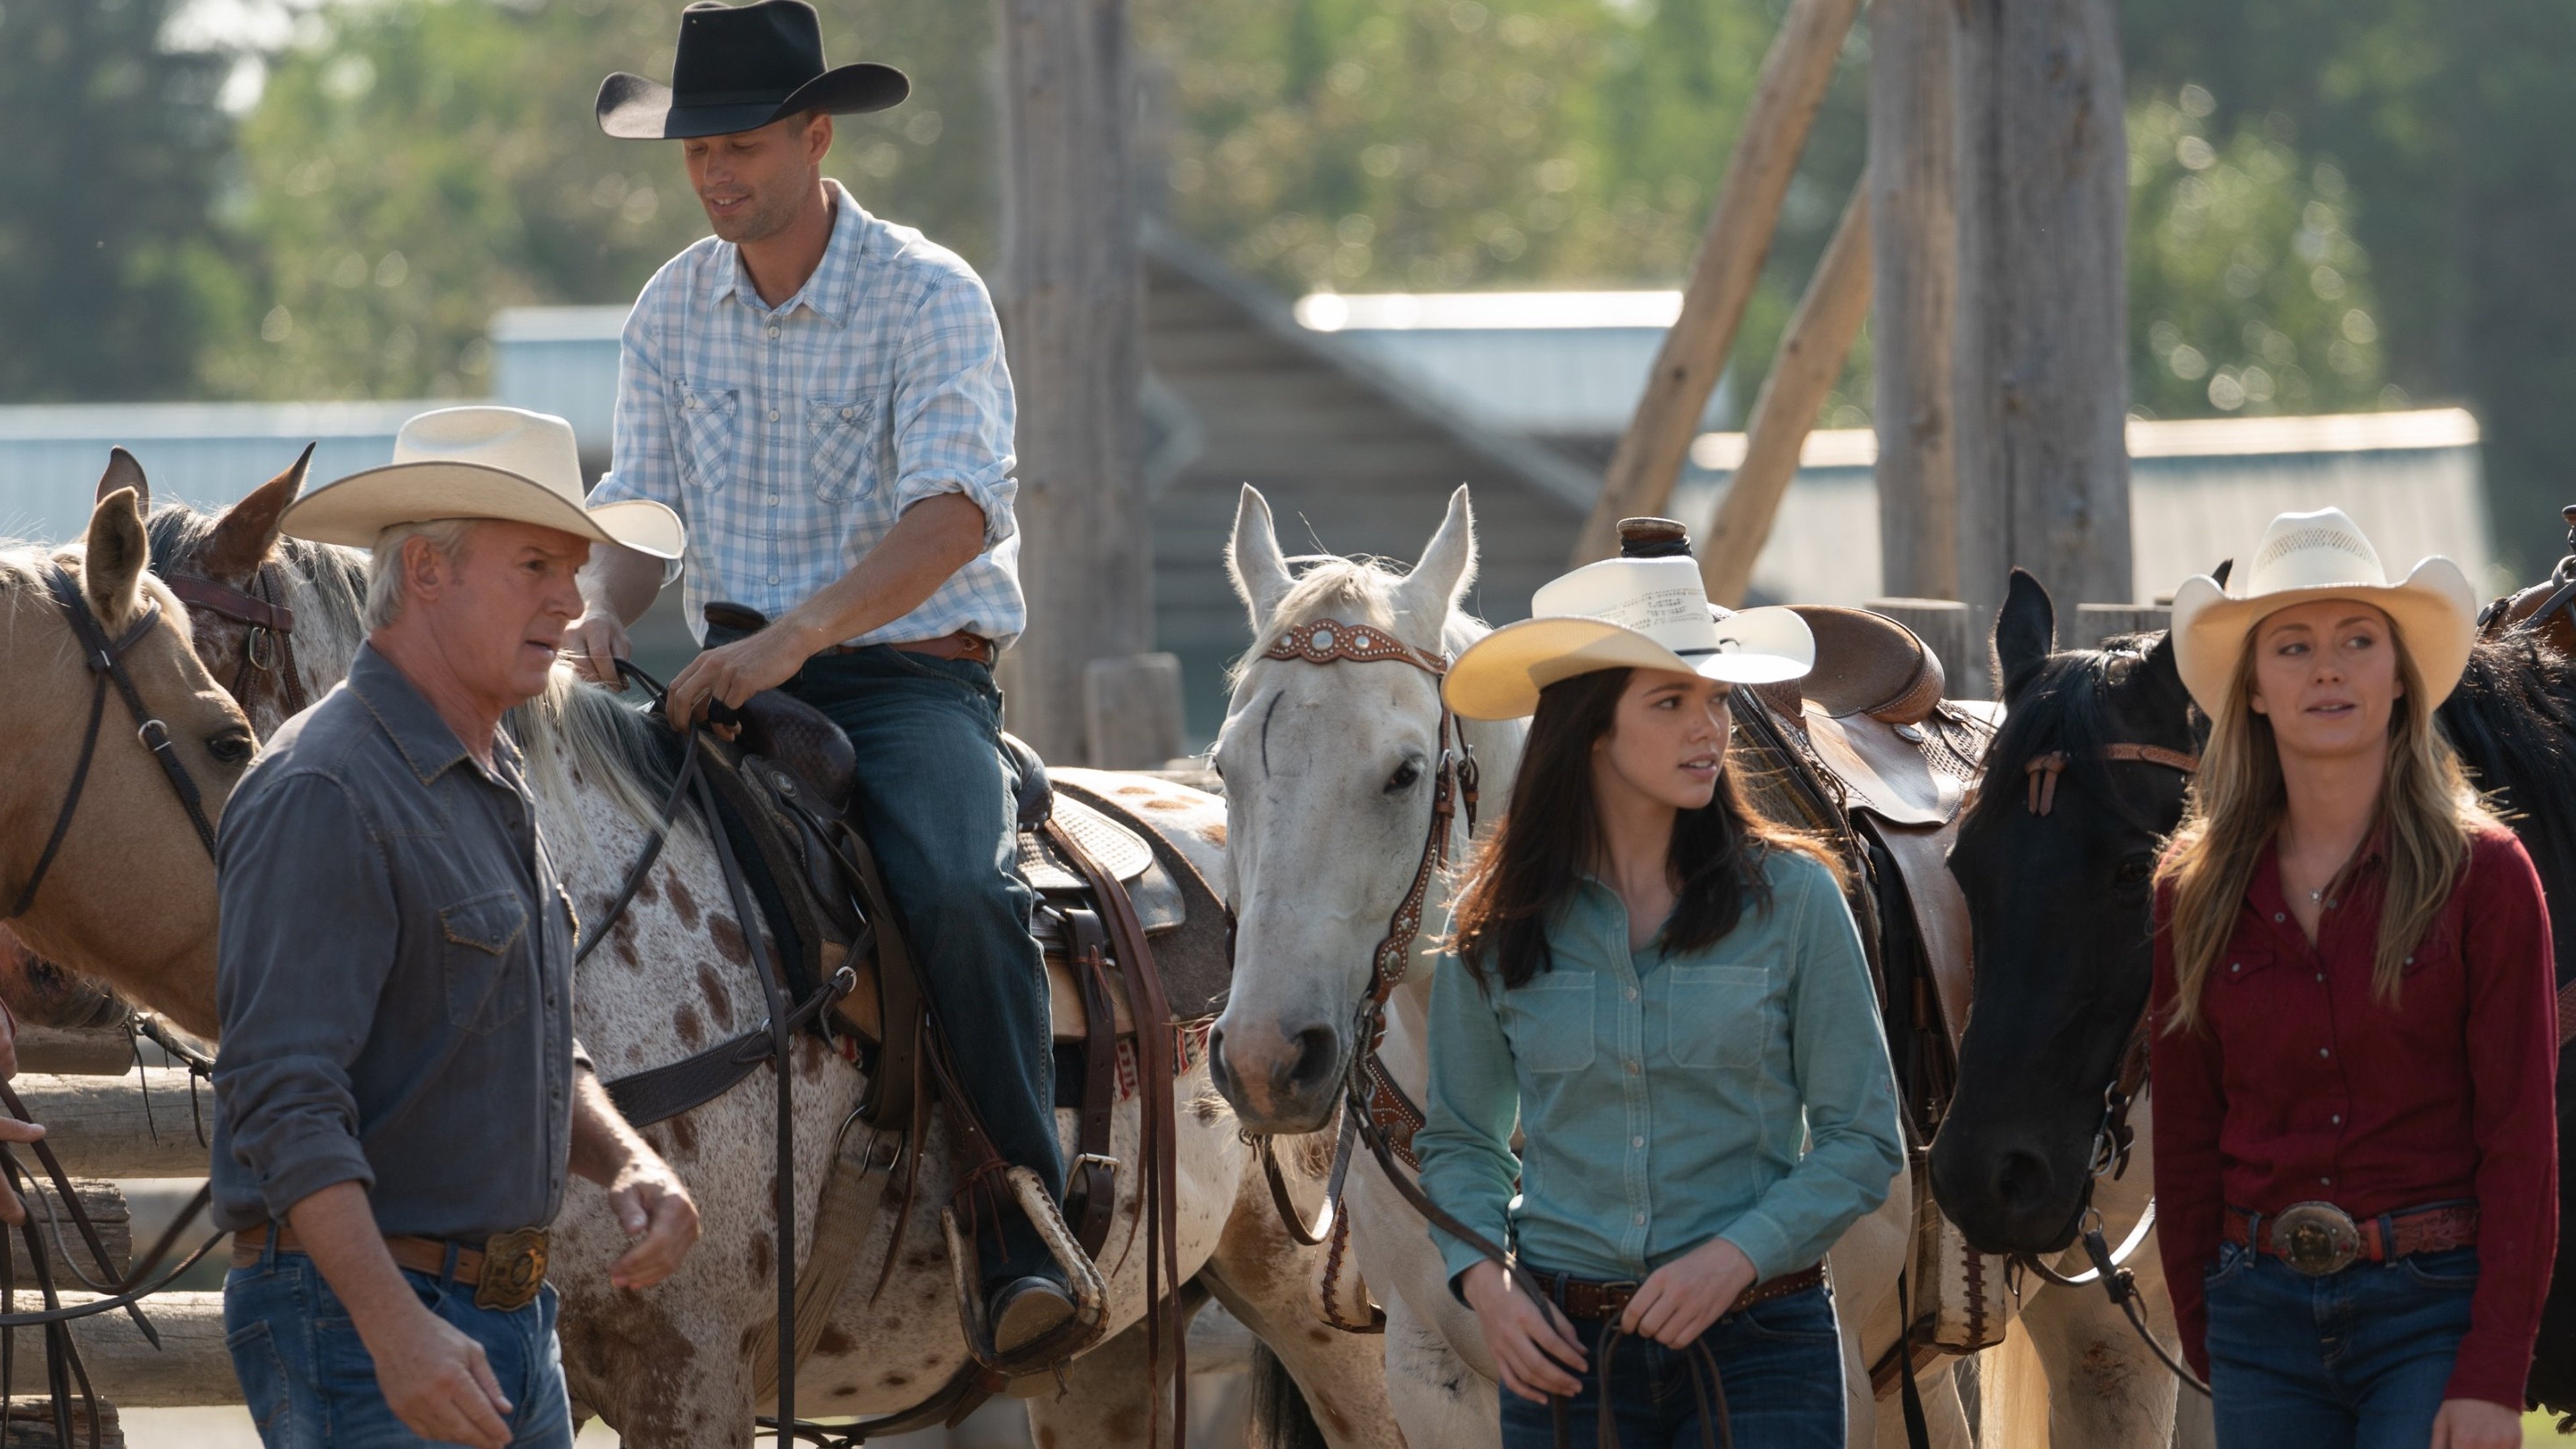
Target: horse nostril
{"x": 1216, "y": 1061}
{"x": 1317, "y": 1050}
{"x": 2022, "y": 1179}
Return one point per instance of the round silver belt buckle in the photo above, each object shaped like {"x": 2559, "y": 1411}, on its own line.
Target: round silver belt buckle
{"x": 2316, "y": 1238}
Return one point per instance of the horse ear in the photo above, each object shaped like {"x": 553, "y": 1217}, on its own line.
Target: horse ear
{"x": 2025, "y": 633}
{"x": 1448, "y": 565}
{"x": 1253, "y": 560}
{"x": 113, "y": 563}
{"x": 247, "y": 533}
{"x": 2225, "y": 567}
{"x": 124, "y": 472}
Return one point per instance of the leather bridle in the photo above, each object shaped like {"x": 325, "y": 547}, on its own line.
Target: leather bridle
{"x": 2114, "y": 1137}
{"x": 106, "y": 661}
{"x": 270, "y": 647}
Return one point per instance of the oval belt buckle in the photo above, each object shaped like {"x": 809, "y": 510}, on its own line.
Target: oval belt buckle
{"x": 514, "y": 1268}
{"x": 2316, "y": 1238}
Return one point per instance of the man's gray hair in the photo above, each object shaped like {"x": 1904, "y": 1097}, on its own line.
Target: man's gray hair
{"x": 385, "y": 571}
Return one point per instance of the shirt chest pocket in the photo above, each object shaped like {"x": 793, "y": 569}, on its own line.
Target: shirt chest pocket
{"x": 1549, "y": 1021}
{"x": 1718, "y": 1016}
{"x": 840, "y": 447}
{"x": 707, "y": 437}
{"x": 485, "y": 988}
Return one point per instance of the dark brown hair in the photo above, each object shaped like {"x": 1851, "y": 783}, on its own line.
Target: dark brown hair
{"x": 1528, "y": 868}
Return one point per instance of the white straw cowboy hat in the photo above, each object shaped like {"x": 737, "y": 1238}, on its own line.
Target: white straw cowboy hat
{"x": 2322, "y": 555}
{"x": 478, "y": 462}
{"x": 1624, "y": 613}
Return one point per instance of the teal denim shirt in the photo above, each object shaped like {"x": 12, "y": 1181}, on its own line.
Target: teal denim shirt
{"x": 1664, "y": 1100}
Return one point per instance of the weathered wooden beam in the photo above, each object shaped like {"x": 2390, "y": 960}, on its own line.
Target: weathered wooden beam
{"x": 29, "y": 1424}
{"x": 1072, "y": 295}
{"x": 1723, "y": 274}
{"x": 1131, "y": 709}
{"x": 102, "y": 1126}
{"x": 1914, "y": 324}
{"x": 79, "y": 1052}
{"x": 105, "y": 1204}
{"x": 2043, "y": 371}
{"x": 1802, "y": 372}
{"x": 190, "y": 1368}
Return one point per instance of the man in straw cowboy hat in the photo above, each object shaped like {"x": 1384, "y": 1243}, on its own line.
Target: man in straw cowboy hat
{"x": 822, "y": 397}
{"x": 2354, "y": 1043}
{"x": 399, "y": 1095}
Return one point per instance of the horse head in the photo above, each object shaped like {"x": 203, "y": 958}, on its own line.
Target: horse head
{"x": 87, "y": 843}
{"x": 2057, "y": 859}
{"x": 1330, "y": 772}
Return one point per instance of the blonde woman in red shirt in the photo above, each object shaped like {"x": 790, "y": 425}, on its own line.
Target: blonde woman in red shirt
{"x": 2354, "y": 1023}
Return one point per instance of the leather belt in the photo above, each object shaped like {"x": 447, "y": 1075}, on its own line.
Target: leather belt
{"x": 974, "y": 648}
{"x": 506, "y": 1271}
{"x": 2317, "y": 1238}
{"x": 1592, "y": 1302}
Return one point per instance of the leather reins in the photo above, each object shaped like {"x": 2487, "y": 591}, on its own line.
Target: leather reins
{"x": 270, "y": 648}
{"x": 106, "y": 660}
{"x": 2113, "y": 1139}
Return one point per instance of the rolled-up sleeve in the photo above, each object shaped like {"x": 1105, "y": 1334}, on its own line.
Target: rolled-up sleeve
{"x": 643, "y": 463}
{"x": 1465, "y": 1140}
{"x": 953, "y": 407}
{"x": 308, "y": 936}
{"x": 1839, "y": 1059}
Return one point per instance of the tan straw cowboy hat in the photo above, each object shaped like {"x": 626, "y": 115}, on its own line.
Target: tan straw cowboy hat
{"x": 478, "y": 462}
{"x": 1624, "y": 613}
{"x": 2322, "y": 555}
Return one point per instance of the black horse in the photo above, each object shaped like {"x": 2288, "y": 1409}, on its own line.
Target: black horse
{"x": 2061, "y": 904}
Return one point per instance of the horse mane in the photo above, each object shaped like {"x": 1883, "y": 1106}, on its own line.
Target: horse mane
{"x": 2513, "y": 721}
{"x": 1355, "y": 590}
{"x": 577, "y": 735}
{"x": 2067, "y": 708}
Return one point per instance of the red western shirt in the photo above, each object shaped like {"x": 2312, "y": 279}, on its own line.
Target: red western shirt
{"x": 2299, "y": 1086}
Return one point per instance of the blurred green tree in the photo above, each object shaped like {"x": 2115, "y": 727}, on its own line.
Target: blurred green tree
{"x": 108, "y": 277}
{"x": 412, "y": 166}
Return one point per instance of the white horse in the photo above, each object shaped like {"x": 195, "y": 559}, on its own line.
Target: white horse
{"x": 677, "y": 1365}
{"x": 1328, "y": 774}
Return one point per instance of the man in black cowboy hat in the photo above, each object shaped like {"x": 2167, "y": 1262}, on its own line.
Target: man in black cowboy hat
{"x": 823, "y": 399}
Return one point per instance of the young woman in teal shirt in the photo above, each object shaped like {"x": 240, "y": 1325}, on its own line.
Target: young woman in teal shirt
{"x": 1666, "y": 993}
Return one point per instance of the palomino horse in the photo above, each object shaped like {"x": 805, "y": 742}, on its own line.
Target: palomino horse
{"x": 89, "y": 822}
{"x": 2062, "y": 902}
{"x": 677, "y": 1366}
{"x": 1330, "y": 780}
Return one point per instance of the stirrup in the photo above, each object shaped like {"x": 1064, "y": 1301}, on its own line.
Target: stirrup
{"x": 1090, "y": 1295}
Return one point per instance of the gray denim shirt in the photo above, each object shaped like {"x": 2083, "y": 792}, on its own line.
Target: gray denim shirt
{"x": 394, "y": 976}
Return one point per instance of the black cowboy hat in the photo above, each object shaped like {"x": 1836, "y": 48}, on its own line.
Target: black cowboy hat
{"x": 738, "y": 69}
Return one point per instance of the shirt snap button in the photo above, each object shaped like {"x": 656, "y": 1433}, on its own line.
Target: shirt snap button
{"x": 1632, "y": 993}
{"x": 1636, "y": 1141}
{"x": 1632, "y": 1068}
{"x": 773, "y": 329}
{"x": 773, "y": 415}
{"x": 773, "y": 502}
{"x": 1641, "y": 1218}
{"x": 2276, "y": 915}
{"x": 848, "y": 413}
{"x": 2323, "y": 1052}
{"x": 2337, "y": 1119}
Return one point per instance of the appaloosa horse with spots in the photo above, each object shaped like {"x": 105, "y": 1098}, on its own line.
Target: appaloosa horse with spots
{"x": 677, "y": 1365}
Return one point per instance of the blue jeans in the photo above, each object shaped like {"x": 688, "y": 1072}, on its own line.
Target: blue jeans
{"x": 311, "y": 1384}
{"x": 1780, "y": 1363}
{"x": 2352, "y": 1360}
{"x": 936, "y": 802}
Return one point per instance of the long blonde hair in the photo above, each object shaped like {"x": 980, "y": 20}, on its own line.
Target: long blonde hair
{"x": 2427, "y": 812}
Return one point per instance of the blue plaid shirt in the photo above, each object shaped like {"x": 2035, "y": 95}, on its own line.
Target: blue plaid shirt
{"x": 789, "y": 439}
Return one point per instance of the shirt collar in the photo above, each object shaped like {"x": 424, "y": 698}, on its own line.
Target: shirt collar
{"x": 2267, "y": 898}
{"x": 413, "y": 724}
{"x": 833, "y": 288}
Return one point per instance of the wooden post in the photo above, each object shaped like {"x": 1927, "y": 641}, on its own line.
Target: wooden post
{"x": 2095, "y": 623}
{"x": 2043, "y": 378}
{"x": 1132, "y": 711}
{"x": 29, "y": 1421}
{"x": 1942, "y": 624}
{"x": 81, "y": 1052}
{"x": 1914, "y": 216}
{"x": 105, "y": 1204}
{"x": 1810, "y": 359}
{"x": 115, "y": 1127}
{"x": 1072, "y": 298}
{"x": 1649, "y": 458}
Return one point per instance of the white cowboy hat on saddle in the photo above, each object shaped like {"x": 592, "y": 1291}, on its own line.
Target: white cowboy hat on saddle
{"x": 478, "y": 462}
{"x": 2322, "y": 555}
{"x": 1624, "y": 613}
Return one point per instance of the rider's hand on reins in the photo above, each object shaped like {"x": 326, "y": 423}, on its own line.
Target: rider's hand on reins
{"x": 593, "y": 644}
{"x": 730, "y": 674}
{"x": 1534, "y": 1350}
{"x": 1679, "y": 1300}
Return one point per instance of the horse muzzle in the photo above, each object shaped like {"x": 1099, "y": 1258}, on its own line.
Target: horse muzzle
{"x": 2007, "y": 1197}
{"x": 1283, "y": 1080}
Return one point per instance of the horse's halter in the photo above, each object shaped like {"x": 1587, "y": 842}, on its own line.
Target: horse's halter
{"x": 270, "y": 647}
{"x": 1327, "y": 641}
{"x": 106, "y": 661}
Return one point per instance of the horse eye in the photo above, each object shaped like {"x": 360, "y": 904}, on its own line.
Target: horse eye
{"x": 1404, "y": 776}
{"x": 234, "y": 748}
{"x": 2136, "y": 870}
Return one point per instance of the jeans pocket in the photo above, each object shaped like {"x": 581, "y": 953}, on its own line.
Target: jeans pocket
{"x": 262, "y": 1371}
{"x": 2231, "y": 1261}
{"x": 482, "y": 933}
{"x": 1802, "y": 1317}
{"x": 2454, "y": 1270}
